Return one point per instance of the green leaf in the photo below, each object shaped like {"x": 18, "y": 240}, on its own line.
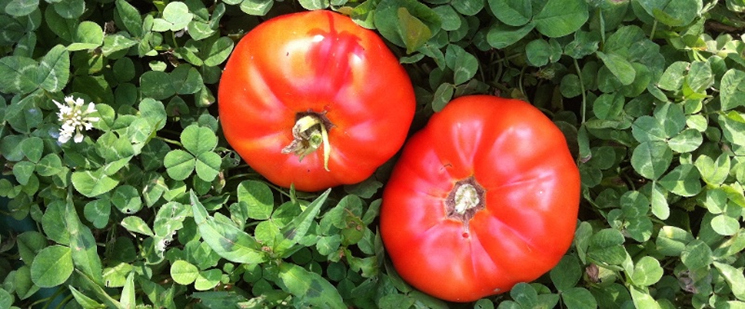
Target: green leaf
{"x": 658, "y": 201}
{"x": 713, "y": 173}
{"x": 468, "y": 7}
{"x": 634, "y": 204}
{"x": 24, "y": 115}
{"x": 464, "y": 66}
{"x": 671, "y": 240}
{"x": 674, "y": 76}
{"x": 157, "y": 85}
{"x": 401, "y": 20}
{"x": 512, "y": 12}
{"x": 207, "y": 165}
{"x": 642, "y": 299}
{"x": 21, "y": 281}
{"x": 314, "y": 4}
{"x": 299, "y": 226}
{"x": 570, "y": 86}
{"x": 732, "y": 89}
{"x": 23, "y": 171}
{"x": 179, "y": 164}
{"x": 136, "y": 225}
{"x": 310, "y": 288}
{"x": 84, "y": 249}
{"x": 673, "y": 13}
{"x": 578, "y": 298}
{"x": 53, "y": 223}
{"x": 113, "y": 43}
{"x": 567, "y": 273}
{"x": 29, "y": 244}
{"x": 700, "y": 76}
{"x": 226, "y": 240}
{"x": 97, "y": 212}
{"x": 647, "y": 271}
{"x": 217, "y": 52}
{"x": 33, "y": 148}
{"x": 256, "y": 7}
{"x": 619, "y": 66}
{"x": 733, "y": 127}
{"x": 83, "y": 300}
{"x": 501, "y": 35}
{"x": 130, "y": 17}
{"x": 640, "y": 228}
{"x": 696, "y": 255}
{"x": 442, "y": 96}
{"x": 683, "y": 180}
{"x": 525, "y": 295}
{"x": 128, "y": 297}
{"x": 451, "y": 21}
{"x": 127, "y": 199}
{"x": 256, "y": 198}
{"x": 19, "y": 8}
{"x": 154, "y": 112}
{"x": 183, "y": 272}
{"x": 49, "y": 165}
{"x": 88, "y": 35}
{"x": 93, "y": 183}
{"x": 671, "y": 117}
{"x": 725, "y": 225}
{"x": 606, "y": 247}
{"x": 538, "y": 52}
{"x": 686, "y": 141}
{"x": 561, "y": 17}
{"x": 186, "y": 79}
{"x": 734, "y": 278}
{"x": 52, "y": 266}
{"x": 54, "y": 69}
{"x": 651, "y": 159}
{"x": 198, "y": 140}
{"x": 207, "y": 279}
{"x": 584, "y": 44}
{"x": 17, "y": 75}
{"x": 413, "y": 31}
{"x": 178, "y": 15}
{"x": 608, "y": 106}
{"x": 70, "y": 9}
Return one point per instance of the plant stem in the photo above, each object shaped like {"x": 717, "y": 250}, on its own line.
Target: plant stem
{"x": 582, "y": 87}
{"x": 170, "y": 141}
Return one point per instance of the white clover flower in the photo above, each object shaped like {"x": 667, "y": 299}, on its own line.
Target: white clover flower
{"x": 75, "y": 119}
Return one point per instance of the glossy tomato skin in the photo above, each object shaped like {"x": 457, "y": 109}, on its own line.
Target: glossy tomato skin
{"x": 531, "y": 192}
{"x": 320, "y": 63}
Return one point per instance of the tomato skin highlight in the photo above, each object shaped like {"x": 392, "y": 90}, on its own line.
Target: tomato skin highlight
{"x": 319, "y": 63}
{"x": 531, "y": 194}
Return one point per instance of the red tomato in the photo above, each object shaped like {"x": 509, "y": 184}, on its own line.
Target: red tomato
{"x": 315, "y": 100}
{"x": 484, "y": 197}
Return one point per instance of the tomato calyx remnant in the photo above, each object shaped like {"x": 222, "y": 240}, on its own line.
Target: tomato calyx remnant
{"x": 310, "y": 133}
{"x": 464, "y": 201}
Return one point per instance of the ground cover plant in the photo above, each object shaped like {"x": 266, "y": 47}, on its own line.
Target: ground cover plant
{"x": 120, "y": 189}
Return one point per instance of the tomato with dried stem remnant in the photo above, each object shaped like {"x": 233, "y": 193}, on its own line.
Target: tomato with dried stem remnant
{"x": 314, "y": 100}
{"x": 484, "y": 197}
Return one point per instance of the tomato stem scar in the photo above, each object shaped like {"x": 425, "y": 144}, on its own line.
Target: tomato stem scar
{"x": 309, "y": 133}
{"x": 465, "y": 200}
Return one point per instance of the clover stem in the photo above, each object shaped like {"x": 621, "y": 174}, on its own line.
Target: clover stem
{"x": 309, "y": 133}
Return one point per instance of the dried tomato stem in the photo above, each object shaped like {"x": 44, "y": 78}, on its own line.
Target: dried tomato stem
{"x": 466, "y": 197}
{"x": 465, "y": 200}
{"x": 309, "y": 133}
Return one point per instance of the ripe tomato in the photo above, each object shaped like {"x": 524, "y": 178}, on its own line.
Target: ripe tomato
{"x": 315, "y": 100}
{"x": 484, "y": 197}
